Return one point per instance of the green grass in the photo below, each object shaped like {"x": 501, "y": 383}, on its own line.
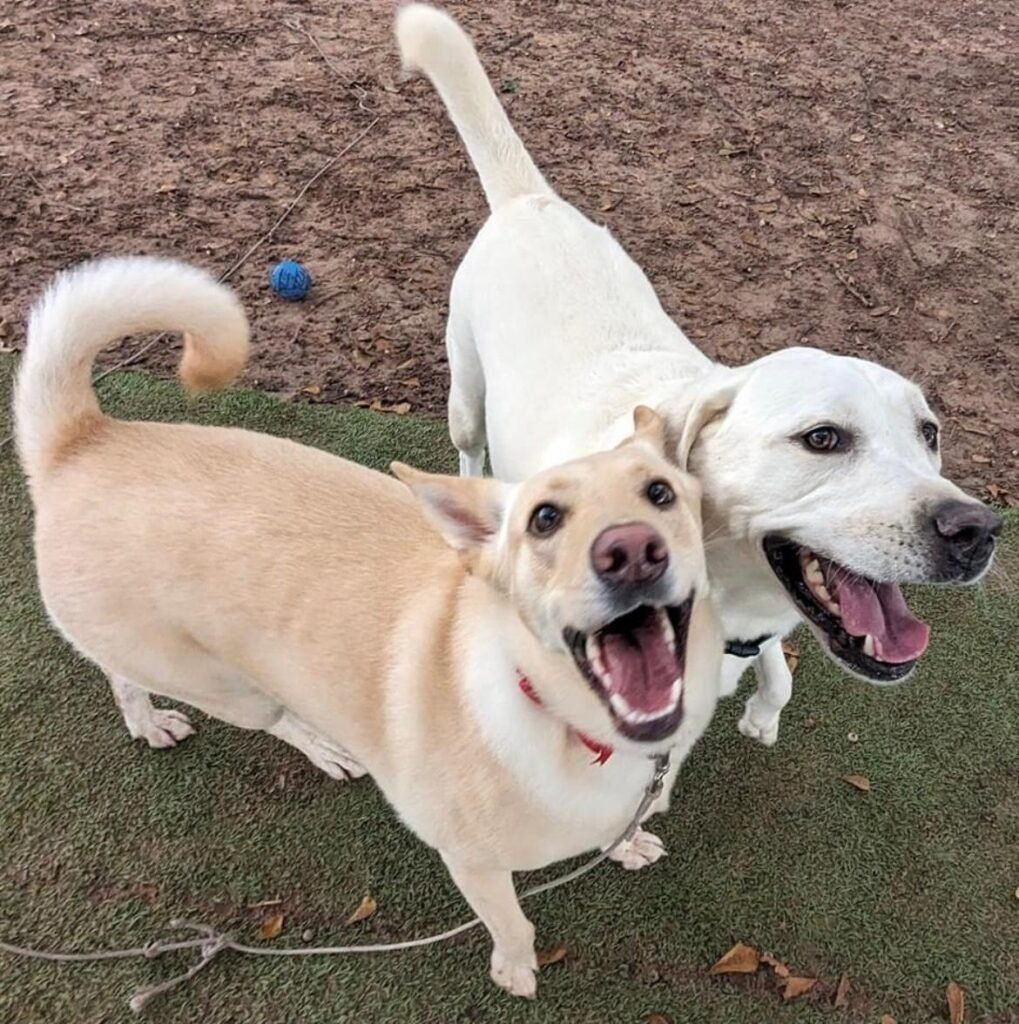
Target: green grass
{"x": 904, "y": 888}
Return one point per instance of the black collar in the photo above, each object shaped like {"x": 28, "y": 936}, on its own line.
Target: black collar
{"x": 746, "y": 648}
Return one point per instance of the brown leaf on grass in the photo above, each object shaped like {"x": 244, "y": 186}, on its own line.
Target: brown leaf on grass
{"x": 400, "y": 409}
{"x": 740, "y": 959}
{"x": 271, "y": 926}
{"x": 547, "y": 957}
{"x": 657, "y": 1018}
{"x": 364, "y": 910}
{"x": 796, "y": 987}
{"x": 792, "y": 655}
{"x": 887, "y": 1019}
{"x": 956, "y": 996}
{"x": 776, "y": 965}
{"x": 312, "y": 389}
{"x": 860, "y": 782}
{"x": 842, "y": 993}
{"x": 983, "y": 460}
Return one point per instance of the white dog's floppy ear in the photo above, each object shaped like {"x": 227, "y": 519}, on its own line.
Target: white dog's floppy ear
{"x": 467, "y": 511}
{"x": 707, "y": 406}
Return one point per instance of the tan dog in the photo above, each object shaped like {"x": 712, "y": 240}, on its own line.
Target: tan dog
{"x": 503, "y": 665}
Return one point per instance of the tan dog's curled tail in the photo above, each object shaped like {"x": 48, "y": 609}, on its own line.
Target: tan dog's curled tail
{"x": 432, "y": 42}
{"x": 91, "y": 306}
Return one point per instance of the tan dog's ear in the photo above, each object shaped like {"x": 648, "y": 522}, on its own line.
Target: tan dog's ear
{"x": 649, "y": 428}
{"x": 467, "y": 511}
{"x": 709, "y": 405}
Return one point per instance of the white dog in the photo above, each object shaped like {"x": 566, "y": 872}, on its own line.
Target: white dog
{"x": 503, "y": 664}
{"x": 821, "y": 474}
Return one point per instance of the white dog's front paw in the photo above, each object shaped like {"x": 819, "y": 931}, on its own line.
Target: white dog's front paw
{"x": 162, "y": 728}
{"x": 643, "y": 849}
{"x": 760, "y": 725}
{"x": 518, "y": 979}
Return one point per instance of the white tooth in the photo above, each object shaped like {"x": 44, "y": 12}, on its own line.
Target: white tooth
{"x": 619, "y": 705}
{"x": 868, "y": 646}
{"x": 822, "y": 591}
{"x": 834, "y": 607}
{"x": 667, "y": 629}
{"x": 813, "y": 572}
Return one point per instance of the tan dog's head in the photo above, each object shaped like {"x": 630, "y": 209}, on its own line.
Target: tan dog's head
{"x": 603, "y": 560}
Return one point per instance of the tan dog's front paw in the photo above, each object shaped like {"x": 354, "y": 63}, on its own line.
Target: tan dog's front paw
{"x": 643, "y": 849}
{"x": 518, "y": 979}
{"x": 163, "y": 728}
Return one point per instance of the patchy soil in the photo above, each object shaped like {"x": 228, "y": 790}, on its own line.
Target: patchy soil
{"x": 842, "y": 174}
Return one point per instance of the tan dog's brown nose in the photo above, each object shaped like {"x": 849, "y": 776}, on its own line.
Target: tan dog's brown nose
{"x": 631, "y": 553}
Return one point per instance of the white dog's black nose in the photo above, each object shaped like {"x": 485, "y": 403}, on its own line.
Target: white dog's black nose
{"x": 630, "y": 553}
{"x": 967, "y": 530}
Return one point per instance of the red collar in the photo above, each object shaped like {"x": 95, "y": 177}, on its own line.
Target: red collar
{"x": 602, "y": 751}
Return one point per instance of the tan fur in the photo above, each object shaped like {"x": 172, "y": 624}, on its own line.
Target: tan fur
{"x": 280, "y": 588}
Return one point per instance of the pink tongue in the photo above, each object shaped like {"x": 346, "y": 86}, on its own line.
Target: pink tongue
{"x": 879, "y": 609}
{"x": 642, "y": 666}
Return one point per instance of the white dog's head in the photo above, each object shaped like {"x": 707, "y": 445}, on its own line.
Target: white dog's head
{"x": 830, "y": 468}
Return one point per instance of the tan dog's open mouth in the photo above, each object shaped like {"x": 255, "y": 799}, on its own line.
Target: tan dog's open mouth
{"x": 635, "y": 664}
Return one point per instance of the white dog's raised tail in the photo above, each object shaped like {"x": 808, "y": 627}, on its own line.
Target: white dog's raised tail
{"x": 432, "y": 42}
{"x": 91, "y": 306}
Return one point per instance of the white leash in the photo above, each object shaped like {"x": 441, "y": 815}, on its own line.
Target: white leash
{"x": 212, "y": 942}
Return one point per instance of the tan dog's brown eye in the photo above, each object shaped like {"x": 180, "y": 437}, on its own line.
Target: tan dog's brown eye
{"x": 545, "y": 520}
{"x": 824, "y": 439}
{"x": 930, "y": 435}
{"x": 660, "y": 493}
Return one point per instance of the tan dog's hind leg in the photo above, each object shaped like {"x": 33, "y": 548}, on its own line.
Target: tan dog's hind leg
{"x": 330, "y": 757}
{"x": 493, "y": 898}
{"x": 159, "y": 727}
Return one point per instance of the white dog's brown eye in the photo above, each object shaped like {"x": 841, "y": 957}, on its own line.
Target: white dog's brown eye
{"x": 660, "y": 493}
{"x": 930, "y": 435}
{"x": 545, "y": 520}
{"x": 823, "y": 439}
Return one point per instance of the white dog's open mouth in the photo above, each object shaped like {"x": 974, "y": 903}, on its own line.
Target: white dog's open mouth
{"x": 635, "y": 664}
{"x": 868, "y": 625}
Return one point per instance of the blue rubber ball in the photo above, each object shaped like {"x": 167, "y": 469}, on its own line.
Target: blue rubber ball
{"x": 290, "y": 280}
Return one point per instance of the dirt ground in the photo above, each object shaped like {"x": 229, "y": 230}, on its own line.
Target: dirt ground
{"x": 842, "y": 174}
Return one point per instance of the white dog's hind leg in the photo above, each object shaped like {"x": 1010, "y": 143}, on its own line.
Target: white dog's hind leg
{"x": 774, "y": 688}
{"x": 159, "y": 727}
{"x": 336, "y": 762}
{"x": 493, "y": 898}
{"x": 466, "y": 396}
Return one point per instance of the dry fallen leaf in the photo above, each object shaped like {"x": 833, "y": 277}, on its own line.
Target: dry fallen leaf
{"x": 312, "y": 389}
{"x": 956, "y": 996}
{"x": 657, "y": 1018}
{"x": 792, "y": 655}
{"x": 551, "y": 956}
{"x": 796, "y": 987}
{"x": 776, "y": 965}
{"x": 861, "y": 782}
{"x": 740, "y": 959}
{"x": 271, "y": 926}
{"x": 365, "y": 909}
{"x": 842, "y": 993}
{"x": 887, "y": 1019}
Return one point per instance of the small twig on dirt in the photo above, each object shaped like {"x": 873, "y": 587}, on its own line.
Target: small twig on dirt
{"x": 351, "y": 83}
{"x": 511, "y": 43}
{"x": 300, "y": 195}
{"x": 864, "y": 300}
